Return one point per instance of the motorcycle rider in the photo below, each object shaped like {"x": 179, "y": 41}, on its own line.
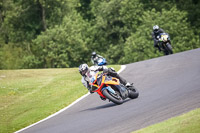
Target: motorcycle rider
{"x": 88, "y": 74}
{"x": 95, "y": 57}
{"x": 155, "y": 33}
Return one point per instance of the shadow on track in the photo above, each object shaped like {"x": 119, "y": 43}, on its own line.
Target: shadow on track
{"x": 104, "y": 106}
{"x": 101, "y": 107}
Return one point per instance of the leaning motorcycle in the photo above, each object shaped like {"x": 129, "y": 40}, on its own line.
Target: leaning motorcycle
{"x": 109, "y": 87}
{"x": 101, "y": 62}
{"x": 165, "y": 43}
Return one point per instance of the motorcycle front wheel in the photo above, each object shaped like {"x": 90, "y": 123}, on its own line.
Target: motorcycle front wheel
{"x": 169, "y": 48}
{"x": 115, "y": 98}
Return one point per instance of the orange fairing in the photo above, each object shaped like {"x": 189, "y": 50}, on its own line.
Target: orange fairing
{"x": 95, "y": 78}
{"x": 114, "y": 81}
{"x": 103, "y": 79}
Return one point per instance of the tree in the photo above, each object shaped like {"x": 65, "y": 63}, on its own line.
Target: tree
{"x": 113, "y": 24}
{"x": 57, "y": 33}
{"x": 139, "y": 46}
{"x": 64, "y": 45}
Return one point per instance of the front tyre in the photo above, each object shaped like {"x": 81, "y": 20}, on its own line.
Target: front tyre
{"x": 169, "y": 48}
{"x": 115, "y": 98}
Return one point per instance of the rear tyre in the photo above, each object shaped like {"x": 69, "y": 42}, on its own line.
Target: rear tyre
{"x": 115, "y": 98}
{"x": 133, "y": 93}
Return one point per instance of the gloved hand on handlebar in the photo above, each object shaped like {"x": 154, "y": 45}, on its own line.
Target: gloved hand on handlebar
{"x": 108, "y": 70}
{"x": 105, "y": 70}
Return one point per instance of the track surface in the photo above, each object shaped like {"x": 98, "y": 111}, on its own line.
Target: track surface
{"x": 168, "y": 86}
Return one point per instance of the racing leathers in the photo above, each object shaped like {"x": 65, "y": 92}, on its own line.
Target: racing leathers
{"x": 95, "y": 59}
{"x": 154, "y": 36}
{"x": 86, "y": 79}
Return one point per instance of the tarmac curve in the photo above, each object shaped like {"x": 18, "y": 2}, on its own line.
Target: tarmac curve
{"x": 169, "y": 86}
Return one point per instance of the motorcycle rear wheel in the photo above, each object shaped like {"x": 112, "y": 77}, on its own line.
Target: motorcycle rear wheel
{"x": 115, "y": 99}
{"x": 133, "y": 93}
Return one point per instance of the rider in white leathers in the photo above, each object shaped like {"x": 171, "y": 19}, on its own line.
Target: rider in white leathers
{"x": 88, "y": 74}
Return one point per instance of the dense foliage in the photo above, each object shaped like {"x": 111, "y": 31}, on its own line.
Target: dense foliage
{"x": 63, "y": 33}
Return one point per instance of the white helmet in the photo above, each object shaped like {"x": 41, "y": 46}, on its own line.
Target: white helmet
{"x": 83, "y": 69}
{"x": 155, "y": 27}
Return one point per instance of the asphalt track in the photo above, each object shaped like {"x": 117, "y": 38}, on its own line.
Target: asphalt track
{"x": 168, "y": 86}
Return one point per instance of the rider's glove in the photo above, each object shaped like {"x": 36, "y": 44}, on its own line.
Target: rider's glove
{"x": 111, "y": 69}
{"x": 105, "y": 70}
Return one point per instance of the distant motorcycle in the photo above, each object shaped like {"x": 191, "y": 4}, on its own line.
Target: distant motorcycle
{"x": 101, "y": 62}
{"x": 109, "y": 87}
{"x": 165, "y": 43}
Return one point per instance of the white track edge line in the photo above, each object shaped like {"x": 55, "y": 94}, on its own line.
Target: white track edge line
{"x": 122, "y": 68}
{"x": 79, "y": 99}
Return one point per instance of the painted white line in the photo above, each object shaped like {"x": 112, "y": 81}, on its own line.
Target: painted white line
{"x": 55, "y": 113}
{"x": 122, "y": 68}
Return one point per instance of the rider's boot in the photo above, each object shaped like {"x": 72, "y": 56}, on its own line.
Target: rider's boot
{"x": 130, "y": 86}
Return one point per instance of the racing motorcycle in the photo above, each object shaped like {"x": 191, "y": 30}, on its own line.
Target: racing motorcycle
{"x": 101, "y": 62}
{"x": 164, "y": 43}
{"x": 109, "y": 87}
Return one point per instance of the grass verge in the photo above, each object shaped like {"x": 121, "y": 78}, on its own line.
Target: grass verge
{"x": 186, "y": 123}
{"x": 27, "y": 96}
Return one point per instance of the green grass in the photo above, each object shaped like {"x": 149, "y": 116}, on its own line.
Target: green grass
{"x": 186, "y": 123}
{"x": 27, "y": 96}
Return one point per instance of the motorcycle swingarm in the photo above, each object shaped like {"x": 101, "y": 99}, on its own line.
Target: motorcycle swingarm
{"x": 122, "y": 90}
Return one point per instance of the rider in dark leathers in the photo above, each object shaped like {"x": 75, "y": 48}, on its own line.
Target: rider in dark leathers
{"x": 95, "y": 57}
{"x": 155, "y": 33}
